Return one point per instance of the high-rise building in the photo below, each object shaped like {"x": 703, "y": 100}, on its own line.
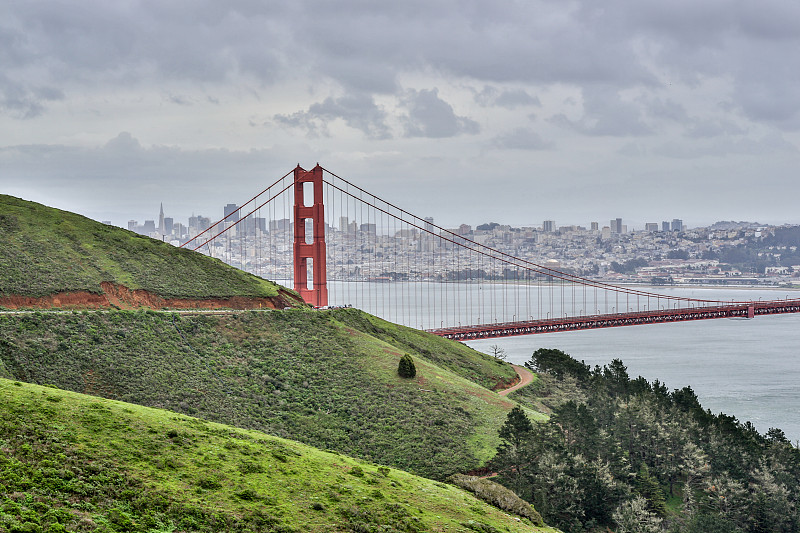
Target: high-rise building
{"x": 549, "y": 226}
{"x": 651, "y": 227}
{"x": 283, "y": 224}
{"x": 199, "y": 223}
{"x": 595, "y": 226}
{"x": 616, "y": 225}
{"x": 343, "y": 223}
{"x": 167, "y": 225}
{"x": 161, "y": 220}
{"x": 132, "y": 225}
{"x": 233, "y": 211}
{"x": 665, "y": 226}
{"x": 677, "y": 224}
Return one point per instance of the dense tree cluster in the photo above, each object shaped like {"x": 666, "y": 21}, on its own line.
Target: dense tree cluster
{"x": 631, "y": 455}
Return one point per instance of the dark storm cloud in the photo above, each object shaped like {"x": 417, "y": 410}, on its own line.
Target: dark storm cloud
{"x": 430, "y": 116}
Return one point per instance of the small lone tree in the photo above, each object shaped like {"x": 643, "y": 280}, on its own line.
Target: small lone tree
{"x": 406, "y": 368}
{"x": 497, "y": 351}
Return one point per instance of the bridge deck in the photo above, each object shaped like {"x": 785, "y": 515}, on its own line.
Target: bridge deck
{"x": 509, "y": 329}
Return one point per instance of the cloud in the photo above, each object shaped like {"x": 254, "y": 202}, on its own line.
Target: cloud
{"x": 509, "y": 99}
{"x": 712, "y": 127}
{"x": 121, "y": 179}
{"x": 23, "y": 101}
{"x": 605, "y": 113}
{"x": 522, "y": 139}
{"x": 723, "y": 147}
{"x": 430, "y": 116}
{"x": 357, "y": 111}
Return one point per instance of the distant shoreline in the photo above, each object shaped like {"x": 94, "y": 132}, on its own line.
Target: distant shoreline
{"x": 705, "y": 286}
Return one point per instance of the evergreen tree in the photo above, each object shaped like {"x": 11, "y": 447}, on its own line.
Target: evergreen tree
{"x": 516, "y": 428}
{"x": 406, "y": 368}
{"x": 633, "y": 516}
{"x": 511, "y": 455}
{"x": 648, "y": 487}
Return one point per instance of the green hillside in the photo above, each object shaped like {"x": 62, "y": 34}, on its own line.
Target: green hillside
{"x": 70, "y": 462}
{"x": 313, "y": 376}
{"x": 48, "y": 251}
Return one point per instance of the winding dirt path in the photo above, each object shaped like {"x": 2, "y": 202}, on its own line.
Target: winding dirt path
{"x": 525, "y": 378}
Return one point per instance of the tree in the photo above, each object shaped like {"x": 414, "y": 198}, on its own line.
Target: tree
{"x": 510, "y": 454}
{"x": 406, "y": 368}
{"x": 497, "y": 351}
{"x": 633, "y": 516}
{"x": 516, "y": 427}
{"x": 648, "y": 487}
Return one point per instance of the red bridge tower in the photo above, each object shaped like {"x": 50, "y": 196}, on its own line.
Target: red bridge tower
{"x": 315, "y": 249}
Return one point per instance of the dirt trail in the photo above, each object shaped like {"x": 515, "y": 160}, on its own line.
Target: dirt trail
{"x": 115, "y": 296}
{"x": 525, "y": 378}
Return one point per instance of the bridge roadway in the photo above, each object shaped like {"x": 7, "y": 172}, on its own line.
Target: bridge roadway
{"x": 510, "y": 329}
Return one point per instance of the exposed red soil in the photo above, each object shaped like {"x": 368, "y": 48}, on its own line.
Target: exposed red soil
{"x": 504, "y": 384}
{"x": 525, "y": 378}
{"x": 114, "y": 296}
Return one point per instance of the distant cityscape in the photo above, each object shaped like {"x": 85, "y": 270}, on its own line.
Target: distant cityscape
{"x": 725, "y": 253}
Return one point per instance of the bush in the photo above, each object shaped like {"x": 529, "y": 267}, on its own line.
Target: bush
{"x": 406, "y": 368}
{"x": 497, "y": 495}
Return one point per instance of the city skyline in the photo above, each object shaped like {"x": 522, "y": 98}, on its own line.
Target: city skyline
{"x": 201, "y": 222}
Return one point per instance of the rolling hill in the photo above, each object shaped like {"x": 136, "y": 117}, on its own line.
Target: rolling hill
{"x": 311, "y": 376}
{"x": 70, "y": 462}
{"x": 326, "y": 378}
{"x": 54, "y": 258}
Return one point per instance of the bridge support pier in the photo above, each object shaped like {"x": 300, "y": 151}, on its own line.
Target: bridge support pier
{"x": 304, "y": 250}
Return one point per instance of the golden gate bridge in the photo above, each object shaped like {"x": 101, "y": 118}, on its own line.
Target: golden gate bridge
{"x": 339, "y": 245}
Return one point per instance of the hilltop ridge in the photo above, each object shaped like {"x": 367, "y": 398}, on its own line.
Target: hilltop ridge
{"x": 54, "y": 258}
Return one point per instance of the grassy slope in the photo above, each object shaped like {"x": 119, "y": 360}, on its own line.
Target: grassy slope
{"x": 308, "y": 375}
{"x": 74, "y": 462}
{"x": 453, "y": 356}
{"x": 47, "y": 251}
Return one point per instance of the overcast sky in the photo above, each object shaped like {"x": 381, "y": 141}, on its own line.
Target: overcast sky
{"x": 467, "y": 111}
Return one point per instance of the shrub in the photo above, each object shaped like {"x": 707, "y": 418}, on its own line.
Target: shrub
{"x": 248, "y": 495}
{"x": 480, "y": 527}
{"x": 497, "y": 495}
{"x": 209, "y": 483}
{"x": 406, "y": 368}
{"x": 248, "y": 467}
